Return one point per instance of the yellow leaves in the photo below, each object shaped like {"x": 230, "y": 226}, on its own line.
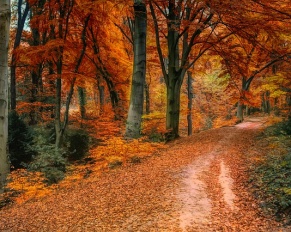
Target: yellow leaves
{"x": 28, "y": 184}
{"x": 220, "y": 122}
{"x": 117, "y": 148}
{"x": 287, "y": 191}
{"x": 154, "y": 123}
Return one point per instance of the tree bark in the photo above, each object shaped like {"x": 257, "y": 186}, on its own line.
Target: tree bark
{"x": 4, "y": 40}
{"x": 179, "y": 38}
{"x": 147, "y": 98}
{"x": 20, "y": 25}
{"x": 240, "y": 105}
{"x": 101, "y": 96}
{"x": 239, "y": 113}
{"x": 104, "y": 73}
{"x": 133, "y": 126}
{"x": 173, "y": 109}
{"x": 266, "y": 102}
{"x": 60, "y": 127}
{"x": 82, "y": 101}
{"x": 190, "y": 96}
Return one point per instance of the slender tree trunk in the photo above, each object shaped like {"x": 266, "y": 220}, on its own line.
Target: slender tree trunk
{"x": 101, "y": 96}
{"x": 105, "y": 74}
{"x": 245, "y": 86}
{"x": 4, "y": 39}
{"x": 35, "y": 77}
{"x": 239, "y": 113}
{"x": 267, "y": 102}
{"x": 64, "y": 11}
{"x": 82, "y": 101}
{"x": 58, "y": 126}
{"x": 134, "y": 118}
{"x": 20, "y": 25}
{"x": 36, "y": 73}
{"x": 147, "y": 98}
{"x": 190, "y": 96}
{"x": 248, "y": 110}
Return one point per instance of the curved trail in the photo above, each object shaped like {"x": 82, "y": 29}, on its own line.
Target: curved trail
{"x": 195, "y": 213}
{"x": 192, "y": 186}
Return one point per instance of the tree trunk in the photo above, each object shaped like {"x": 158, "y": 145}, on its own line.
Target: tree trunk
{"x": 35, "y": 78}
{"x": 239, "y": 113}
{"x": 173, "y": 109}
{"x": 58, "y": 127}
{"x": 21, "y": 18}
{"x": 266, "y": 102}
{"x": 105, "y": 74}
{"x": 82, "y": 101}
{"x": 4, "y": 39}
{"x": 190, "y": 96}
{"x": 248, "y": 110}
{"x": 245, "y": 86}
{"x": 134, "y": 118}
{"x": 178, "y": 61}
{"x": 101, "y": 97}
{"x": 147, "y": 98}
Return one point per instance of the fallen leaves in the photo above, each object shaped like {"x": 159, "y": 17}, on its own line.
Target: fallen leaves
{"x": 143, "y": 197}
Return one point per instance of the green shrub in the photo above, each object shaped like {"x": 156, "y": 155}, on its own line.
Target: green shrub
{"x": 47, "y": 160}
{"x": 76, "y": 143}
{"x": 156, "y": 137}
{"x": 50, "y": 162}
{"x": 281, "y": 128}
{"x": 272, "y": 182}
{"x": 20, "y": 141}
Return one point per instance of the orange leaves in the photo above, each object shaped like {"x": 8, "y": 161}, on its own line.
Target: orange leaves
{"x": 27, "y": 184}
{"x": 119, "y": 149}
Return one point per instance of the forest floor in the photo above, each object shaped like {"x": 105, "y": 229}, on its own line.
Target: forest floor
{"x": 196, "y": 184}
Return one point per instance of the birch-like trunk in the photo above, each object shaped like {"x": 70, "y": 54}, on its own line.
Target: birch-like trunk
{"x": 4, "y": 38}
{"x": 134, "y": 118}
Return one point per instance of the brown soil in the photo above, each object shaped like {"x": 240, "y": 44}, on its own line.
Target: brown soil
{"x": 198, "y": 184}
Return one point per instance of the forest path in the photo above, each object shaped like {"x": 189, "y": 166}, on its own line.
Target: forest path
{"x": 194, "y": 185}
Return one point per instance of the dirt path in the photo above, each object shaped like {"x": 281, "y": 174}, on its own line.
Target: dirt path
{"x": 196, "y": 185}
{"x": 196, "y": 205}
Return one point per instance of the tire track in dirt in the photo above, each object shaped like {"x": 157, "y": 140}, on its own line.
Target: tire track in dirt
{"x": 196, "y": 205}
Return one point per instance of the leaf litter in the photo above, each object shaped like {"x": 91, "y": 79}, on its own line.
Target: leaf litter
{"x": 197, "y": 184}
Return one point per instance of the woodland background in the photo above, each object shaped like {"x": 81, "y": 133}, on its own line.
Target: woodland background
{"x": 110, "y": 81}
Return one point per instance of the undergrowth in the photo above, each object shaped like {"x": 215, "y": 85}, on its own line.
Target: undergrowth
{"x": 271, "y": 177}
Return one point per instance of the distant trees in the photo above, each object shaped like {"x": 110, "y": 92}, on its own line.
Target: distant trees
{"x": 186, "y": 30}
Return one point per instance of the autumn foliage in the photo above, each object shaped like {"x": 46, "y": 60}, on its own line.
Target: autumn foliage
{"x": 72, "y": 73}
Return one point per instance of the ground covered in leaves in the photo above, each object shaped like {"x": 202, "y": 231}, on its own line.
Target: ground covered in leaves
{"x": 198, "y": 183}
